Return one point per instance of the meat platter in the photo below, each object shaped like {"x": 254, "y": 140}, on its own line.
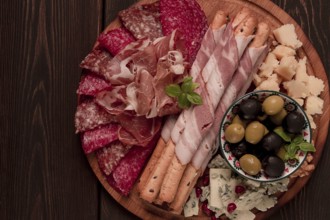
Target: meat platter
{"x": 275, "y": 17}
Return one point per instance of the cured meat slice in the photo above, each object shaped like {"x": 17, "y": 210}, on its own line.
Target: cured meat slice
{"x": 187, "y": 17}
{"x": 113, "y": 101}
{"x": 143, "y": 21}
{"x": 109, "y": 156}
{"x": 129, "y": 168}
{"x": 99, "y": 137}
{"x": 137, "y": 130}
{"x": 89, "y": 115}
{"x": 115, "y": 40}
{"x": 91, "y": 84}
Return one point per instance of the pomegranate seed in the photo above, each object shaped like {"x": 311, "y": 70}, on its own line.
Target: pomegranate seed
{"x": 205, "y": 209}
{"x": 206, "y": 180}
{"x": 231, "y": 207}
{"x": 198, "y": 191}
{"x": 239, "y": 189}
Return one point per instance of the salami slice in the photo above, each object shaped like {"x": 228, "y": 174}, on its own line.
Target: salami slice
{"x": 143, "y": 21}
{"x": 115, "y": 40}
{"x": 99, "y": 137}
{"x": 89, "y": 115}
{"x": 109, "y": 156}
{"x": 187, "y": 17}
{"x": 91, "y": 85}
{"x": 129, "y": 168}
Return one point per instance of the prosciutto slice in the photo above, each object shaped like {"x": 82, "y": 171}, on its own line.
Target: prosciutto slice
{"x": 216, "y": 75}
{"x": 242, "y": 77}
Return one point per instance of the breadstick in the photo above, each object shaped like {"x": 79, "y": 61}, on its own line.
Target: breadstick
{"x": 150, "y": 191}
{"x": 187, "y": 183}
{"x": 246, "y": 27}
{"x": 151, "y": 164}
{"x": 219, "y": 19}
{"x": 242, "y": 14}
{"x": 262, "y": 34}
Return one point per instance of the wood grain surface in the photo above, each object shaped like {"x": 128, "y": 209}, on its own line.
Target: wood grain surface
{"x": 43, "y": 171}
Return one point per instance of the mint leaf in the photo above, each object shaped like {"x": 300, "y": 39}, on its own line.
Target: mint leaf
{"x": 183, "y": 101}
{"x": 298, "y": 139}
{"x": 280, "y": 132}
{"x": 305, "y": 146}
{"x": 173, "y": 90}
{"x": 194, "y": 98}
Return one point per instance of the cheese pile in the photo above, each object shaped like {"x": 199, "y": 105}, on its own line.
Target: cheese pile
{"x": 283, "y": 69}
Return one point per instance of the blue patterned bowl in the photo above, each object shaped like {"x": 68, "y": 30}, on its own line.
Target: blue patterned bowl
{"x": 291, "y": 165}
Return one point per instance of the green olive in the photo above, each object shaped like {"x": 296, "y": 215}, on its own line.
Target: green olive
{"x": 250, "y": 164}
{"x": 238, "y": 120}
{"x": 281, "y": 153}
{"x": 254, "y": 132}
{"x": 234, "y": 133}
{"x": 278, "y": 118}
{"x": 273, "y": 105}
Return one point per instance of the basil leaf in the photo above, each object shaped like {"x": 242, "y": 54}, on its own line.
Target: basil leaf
{"x": 305, "y": 146}
{"x": 173, "y": 90}
{"x": 280, "y": 132}
{"x": 298, "y": 139}
{"x": 194, "y": 98}
{"x": 183, "y": 101}
{"x": 187, "y": 79}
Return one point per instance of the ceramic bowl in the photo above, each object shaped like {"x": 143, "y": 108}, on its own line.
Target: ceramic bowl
{"x": 291, "y": 165}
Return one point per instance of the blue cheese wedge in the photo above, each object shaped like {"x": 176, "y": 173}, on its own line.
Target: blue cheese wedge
{"x": 191, "y": 207}
{"x": 218, "y": 179}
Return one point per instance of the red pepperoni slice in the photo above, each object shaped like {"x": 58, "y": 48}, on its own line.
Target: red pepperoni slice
{"x": 108, "y": 157}
{"x": 187, "y": 17}
{"x": 99, "y": 137}
{"x": 91, "y": 85}
{"x": 89, "y": 115}
{"x": 115, "y": 40}
{"x": 142, "y": 21}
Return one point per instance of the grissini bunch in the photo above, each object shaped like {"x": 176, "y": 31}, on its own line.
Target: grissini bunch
{"x": 192, "y": 172}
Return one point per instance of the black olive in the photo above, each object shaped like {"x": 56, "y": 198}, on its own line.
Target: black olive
{"x": 273, "y": 166}
{"x": 259, "y": 152}
{"x": 294, "y": 122}
{"x": 272, "y": 142}
{"x": 239, "y": 149}
{"x": 249, "y": 109}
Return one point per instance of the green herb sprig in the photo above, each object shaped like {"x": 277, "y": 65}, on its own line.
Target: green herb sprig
{"x": 294, "y": 143}
{"x": 184, "y": 93}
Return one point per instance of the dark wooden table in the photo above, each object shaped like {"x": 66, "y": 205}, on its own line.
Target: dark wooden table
{"x": 43, "y": 171}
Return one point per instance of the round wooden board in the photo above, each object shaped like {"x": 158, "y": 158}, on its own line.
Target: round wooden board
{"x": 275, "y": 16}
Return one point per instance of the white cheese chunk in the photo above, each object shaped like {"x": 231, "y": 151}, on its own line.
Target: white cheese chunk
{"x": 191, "y": 207}
{"x": 269, "y": 84}
{"x": 283, "y": 51}
{"x": 287, "y": 36}
{"x": 296, "y": 89}
{"x": 287, "y": 67}
{"x": 313, "y": 105}
{"x": 301, "y": 72}
{"x": 315, "y": 85}
{"x": 268, "y": 66}
{"x": 218, "y": 178}
{"x": 266, "y": 203}
{"x": 311, "y": 121}
{"x": 299, "y": 101}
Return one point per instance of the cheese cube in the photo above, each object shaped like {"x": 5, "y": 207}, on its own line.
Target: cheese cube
{"x": 269, "y": 84}
{"x": 287, "y": 36}
{"x": 267, "y": 67}
{"x": 311, "y": 121}
{"x": 299, "y": 101}
{"x": 301, "y": 72}
{"x": 314, "y": 105}
{"x": 283, "y": 51}
{"x": 296, "y": 89}
{"x": 287, "y": 68}
{"x": 315, "y": 85}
